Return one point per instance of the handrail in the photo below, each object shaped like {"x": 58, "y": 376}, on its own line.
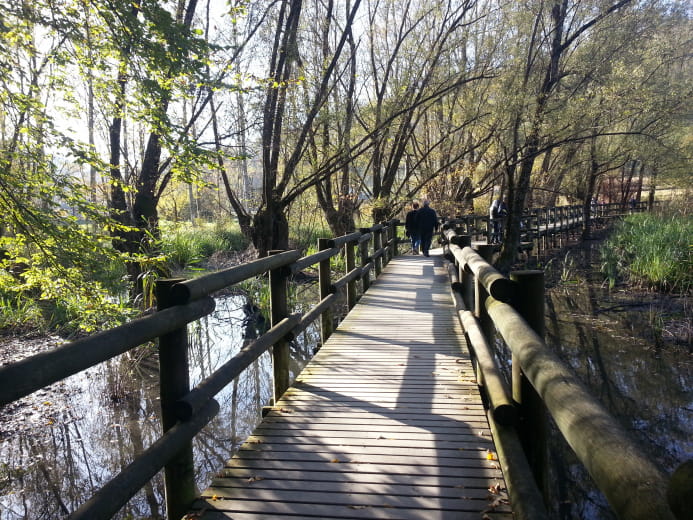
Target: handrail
{"x": 541, "y": 225}
{"x": 307, "y": 261}
{"x": 32, "y": 373}
{"x": 222, "y": 376}
{"x": 209, "y": 283}
{"x": 181, "y": 303}
{"x": 631, "y": 482}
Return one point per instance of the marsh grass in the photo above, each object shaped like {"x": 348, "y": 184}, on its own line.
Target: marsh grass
{"x": 185, "y": 247}
{"x": 652, "y": 251}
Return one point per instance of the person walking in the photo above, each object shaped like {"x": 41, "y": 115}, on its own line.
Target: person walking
{"x": 427, "y": 223}
{"x": 410, "y": 228}
{"x": 497, "y": 213}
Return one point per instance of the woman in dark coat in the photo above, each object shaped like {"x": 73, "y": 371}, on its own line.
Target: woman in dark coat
{"x": 411, "y": 229}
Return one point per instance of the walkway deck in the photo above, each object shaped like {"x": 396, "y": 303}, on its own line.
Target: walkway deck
{"x": 385, "y": 422}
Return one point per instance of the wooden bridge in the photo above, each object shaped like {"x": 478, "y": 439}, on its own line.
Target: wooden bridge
{"x": 402, "y": 414}
{"x": 385, "y": 422}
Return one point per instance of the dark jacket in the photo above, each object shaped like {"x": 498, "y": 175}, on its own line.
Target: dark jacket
{"x": 410, "y": 222}
{"x": 426, "y": 220}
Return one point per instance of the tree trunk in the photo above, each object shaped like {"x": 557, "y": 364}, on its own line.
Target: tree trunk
{"x": 653, "y": 187}
{"x": 270, "y": 230}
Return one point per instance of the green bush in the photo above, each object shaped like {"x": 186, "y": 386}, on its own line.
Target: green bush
{"x": 653, "y": 251}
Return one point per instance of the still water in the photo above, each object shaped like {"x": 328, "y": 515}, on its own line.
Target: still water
{"x": 59, "y": 445}
{"x": 641, "y": 375}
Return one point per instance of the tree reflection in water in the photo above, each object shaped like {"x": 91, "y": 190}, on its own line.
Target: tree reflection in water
{"x": 79, "y": 433}
{"x": 607, "y": 339}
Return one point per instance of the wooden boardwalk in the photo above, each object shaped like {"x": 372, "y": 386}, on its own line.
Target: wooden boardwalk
{"x": 385, "y": 422}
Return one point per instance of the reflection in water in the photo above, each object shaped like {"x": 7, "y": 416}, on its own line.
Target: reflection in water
{"x": 648, "y": 388}
{"x": 79, "y": 433}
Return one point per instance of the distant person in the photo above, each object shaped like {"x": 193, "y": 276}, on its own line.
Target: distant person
{"x": 426, "y": 222}
{"x": 497, "y": 213}
{"x": 411, "y": 229}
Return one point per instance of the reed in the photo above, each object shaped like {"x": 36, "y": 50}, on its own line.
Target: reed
{"x": 652, "y": 251}
{"x": 185, "y": 246}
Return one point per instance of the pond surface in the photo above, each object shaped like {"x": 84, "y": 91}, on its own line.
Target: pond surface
{"x": 633, "y": 350}
{"x": 60, "y": 445}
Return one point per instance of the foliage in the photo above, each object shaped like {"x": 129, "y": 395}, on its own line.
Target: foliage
{"x": 654, "y": 251}
{"x": 113, "y": 114}
{"x": 46, "y": 298}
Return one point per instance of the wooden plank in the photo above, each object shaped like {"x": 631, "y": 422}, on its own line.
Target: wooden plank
{"x": 385, "y": 422}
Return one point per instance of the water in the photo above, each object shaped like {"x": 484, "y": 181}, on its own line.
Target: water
{"x": 59, "y": 445}
{"x": 644, "y": 381}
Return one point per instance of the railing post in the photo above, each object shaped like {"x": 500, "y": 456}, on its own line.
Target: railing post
{"x": 363, "y": 249}
{"x": 279, "y": 309}
{"x": 395, "y": 238}
{"x": 174, "y": 383}
{"x": 327, "y": 318}
{"x": 377, "y": 245}
{"x": 533, "y": 426}
{"x": 387, "y": 251}
{"x": 480, "y": 295}
{"x": 350, "y": 255}
{"x": 465, "y": 275}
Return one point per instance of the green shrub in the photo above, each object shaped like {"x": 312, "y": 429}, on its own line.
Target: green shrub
{"x": 654, "y": 251}
{"x": 47, "y": 298}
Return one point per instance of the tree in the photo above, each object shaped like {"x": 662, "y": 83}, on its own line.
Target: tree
{"x": 46, "y": 254}
{"x": 546, "y": 47}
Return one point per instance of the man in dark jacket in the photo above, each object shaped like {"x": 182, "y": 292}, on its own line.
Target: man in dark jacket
{"x": 411, "y": 229}
{"x": 426, "y": 222}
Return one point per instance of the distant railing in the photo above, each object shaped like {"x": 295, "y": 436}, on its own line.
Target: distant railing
{"x": 186, "y": 411}
{"x": 543, "y": 228}
{"x": 541, "y": 383}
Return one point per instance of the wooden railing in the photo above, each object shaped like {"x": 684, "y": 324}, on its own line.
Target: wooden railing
{"x": 542, "y": 384}
{"x": 186, "y": 411}
{"x": 543, "y": 228}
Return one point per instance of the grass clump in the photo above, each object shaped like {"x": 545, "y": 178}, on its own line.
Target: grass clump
{"x": 184, "y": 247}
{"x": 653, "y": 251}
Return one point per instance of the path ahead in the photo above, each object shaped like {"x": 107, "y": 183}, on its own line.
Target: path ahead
{"x": 385, "y": 422}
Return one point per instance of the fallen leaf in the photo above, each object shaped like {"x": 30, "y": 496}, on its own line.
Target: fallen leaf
{"x": 335, "y": 460}
{"x": 255, "y": 479}
{"x": 490, "y": 455}
{"x": 215, "y": 498}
